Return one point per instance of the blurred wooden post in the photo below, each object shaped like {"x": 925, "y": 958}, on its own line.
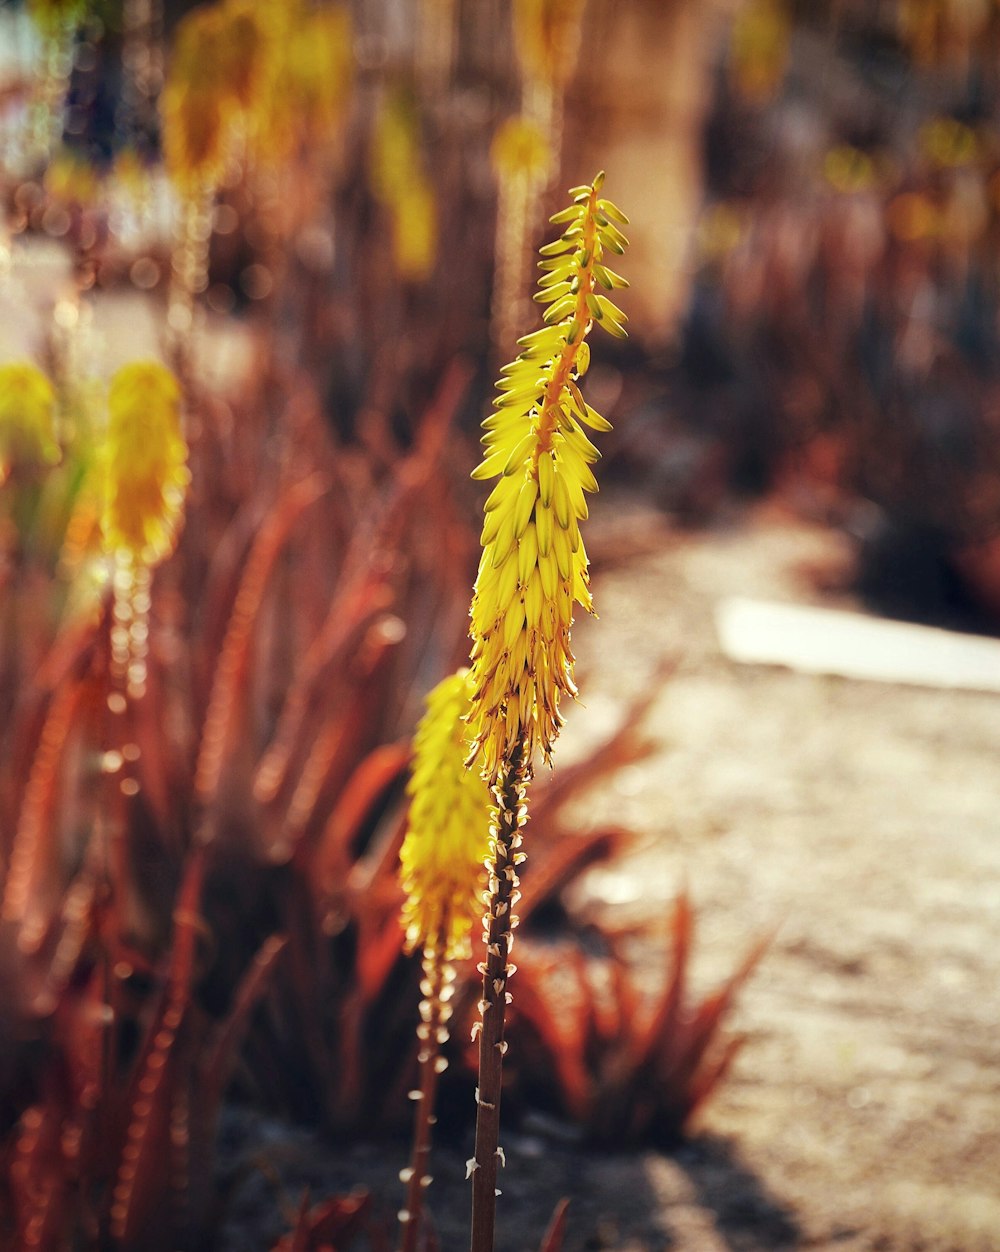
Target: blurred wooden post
{"x": 637, "y": 110}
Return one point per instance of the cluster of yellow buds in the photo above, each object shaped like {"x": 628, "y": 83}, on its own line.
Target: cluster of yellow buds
{"x": 547, "y": 39}
{"x": 534, "y": 564}
{"x": 27, "y": 418}
{"x": 400, "y": 181}
{"x": 448, "y": 833}
{"x": 143, "y": 463}
{"x": 270, "y": 75}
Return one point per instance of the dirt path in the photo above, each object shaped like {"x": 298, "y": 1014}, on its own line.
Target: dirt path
{"x": 864, "y": 820}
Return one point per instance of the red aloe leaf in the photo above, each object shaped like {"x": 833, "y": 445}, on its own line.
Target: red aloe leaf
{"x": 626, "y": 1004}
{"x": 351, "y": 614}
{"x": 335, "y": 748}
{"x": 299, "y": 1239}
{"x": 551, "y": 998}
{"x": 31, "y": 889}
{"x": 556, "y": 862}
{"x": 708, "y": 1076}
{"x": 366, "y": 587}
{"x": 334, "y": 1223}
{"x": 369, "y": 782}
{"x": 218, "y": 1065}
{"x": 377, "y": 957}
{"x": 230, "y": 672}
{"x": 143, "y": 1174}
{"x": 555, "y": 1232}
{"x": 660, "y": 1036}
{"x": 695, "y": 1036}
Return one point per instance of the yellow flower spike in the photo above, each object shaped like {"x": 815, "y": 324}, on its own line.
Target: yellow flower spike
{"x": 534, "y": 564}
{"x": 71, "y": 179}
{"x": 447, "y": 838}
{"x": 143, "y": 457}
{"x": 520, "y": 149}
{"x": 54, "y": 16}
{"x": 306, "y": 83}
{"x": 27, "y": 418}
{"x": 400, "y": 182}
{"x": 547, "y": 38}
{"x": 197, "y": 103}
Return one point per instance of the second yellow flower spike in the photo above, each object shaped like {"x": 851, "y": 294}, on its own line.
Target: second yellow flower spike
{"x": 447, "y": 839}
{"x": 143, "y": 463}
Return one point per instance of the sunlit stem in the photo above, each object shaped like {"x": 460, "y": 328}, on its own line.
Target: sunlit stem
{"x": 435, "y": 1012}
{"x": 517, "y": 209}
{"x": 542, "y": 104}
{"x": 498, "y": 925}
{"x": 189, "y": 272}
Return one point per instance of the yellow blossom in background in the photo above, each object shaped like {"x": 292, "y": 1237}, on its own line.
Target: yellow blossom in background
{"x": 547, "y": 39}
{"x": 760, "y": 48}
{"x": 848, "y": 169}
{"x": 142, "y": 462}
{"x": 447, "y": 838}
{"x": 401, "y": 184}
{"x": 520, "y": 149}
{"x": 306, "y": 82}
{"x": 27, "y": 418}
{"x": 198, "y": 103}
{"x": 534, "y": 564}
{"x": 71, "y": 179}
{"x": 949, "y": 143}
{"x": 54, "y": 16}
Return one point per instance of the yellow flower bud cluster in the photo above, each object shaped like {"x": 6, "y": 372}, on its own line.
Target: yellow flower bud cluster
{"x": 400, "y": 182}
{"x": 534, "y": 564}
{"x": 142, "y": 463}
{"x": 447, "y": 837}
{"x": 27, "y": 418}
{"x": 276, "y": 74}
{"x": 520, "y": 149}
{"x": 547, "y": 39}
{"x": 53, "y": 17}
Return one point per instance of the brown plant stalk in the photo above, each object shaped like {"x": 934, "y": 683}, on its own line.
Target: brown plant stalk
{"x": 499, "y": 922}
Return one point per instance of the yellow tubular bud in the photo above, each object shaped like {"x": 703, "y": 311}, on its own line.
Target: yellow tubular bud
{"x": 447, "y": 837}
{"x": 535, "y": 442}
{"x": 27, "y": 418}
{"x": 142, "y": 460}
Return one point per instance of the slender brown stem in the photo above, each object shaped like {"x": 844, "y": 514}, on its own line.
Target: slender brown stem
{"x": 432, "y": 1032}
{"x": 496, "y": 969}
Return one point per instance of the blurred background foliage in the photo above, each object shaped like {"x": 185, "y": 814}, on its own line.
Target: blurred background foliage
{"x": 322, "y": 217}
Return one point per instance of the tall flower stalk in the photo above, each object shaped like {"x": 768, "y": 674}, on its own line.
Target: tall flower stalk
{"x": 441, "y": 868}
{"x": 532, "y": 571}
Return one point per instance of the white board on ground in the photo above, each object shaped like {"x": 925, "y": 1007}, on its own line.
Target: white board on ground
{"x": 853, "y": 645}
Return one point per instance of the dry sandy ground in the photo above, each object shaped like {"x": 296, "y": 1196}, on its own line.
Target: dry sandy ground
{"x": 861, "y": 820}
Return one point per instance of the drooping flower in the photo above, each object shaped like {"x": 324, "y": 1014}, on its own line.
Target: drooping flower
{"x": 198, "y": 101}
{"x": 27, "y": 418}
{"x": 547, "y": 39}
{"x": 143, "y": 463}
{"x": 306, "y": 83}
{"x": 400, "y": 182}
{"x": 520, "y": 149}
{"x": 447, "y": 839}
{"x": 534, "y": 564}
